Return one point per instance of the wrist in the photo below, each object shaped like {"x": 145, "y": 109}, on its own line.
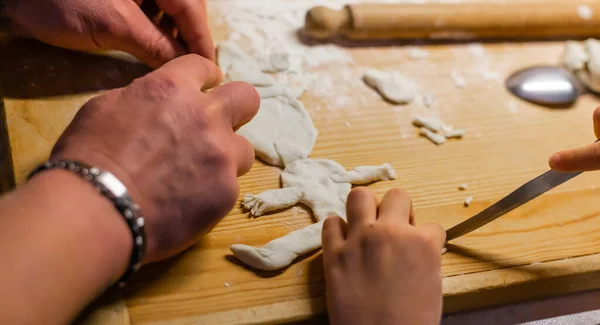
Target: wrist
{"x": 101, "y": 235}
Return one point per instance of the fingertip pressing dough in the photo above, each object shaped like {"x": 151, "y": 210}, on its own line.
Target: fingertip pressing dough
{"x": 392, "y": 86}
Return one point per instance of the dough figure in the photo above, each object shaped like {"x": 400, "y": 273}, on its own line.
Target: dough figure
{"x": 283, "y": 134}
{"x": 321, "y": 184}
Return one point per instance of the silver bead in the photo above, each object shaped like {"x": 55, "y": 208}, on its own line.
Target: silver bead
{"x": 140, "y": 222}
{"x": 139, "y": 241}
{"x": 94, "y": 171}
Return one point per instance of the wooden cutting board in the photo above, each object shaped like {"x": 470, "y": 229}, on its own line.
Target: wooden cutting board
{"x": 548, "y": 247}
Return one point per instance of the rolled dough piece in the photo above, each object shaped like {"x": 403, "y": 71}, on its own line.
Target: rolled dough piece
{"x": 238, "y": 65}
{"x": 323, "y": 185}
{"x": 280, "y": 118}
{"x": 392, "y": 86}
{"x": 433, "y": 137}
{"x": 431, "y": 123}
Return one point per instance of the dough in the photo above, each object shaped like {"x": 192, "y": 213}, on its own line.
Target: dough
{"x": 282, "y": 134}
{"x": 323, "y": 185}
{"x": 432, "y": 123}
{"x": 276, "y": 91}
{"x": 276, "y": 62}
{"x": 237, "y": 65}
{"x": 280, "y": 118}
{"x": 584, "y": 62}
{"x": 391, "y": 86}
{"x": 432, "y": 136}
{"x": 574, "y": 57}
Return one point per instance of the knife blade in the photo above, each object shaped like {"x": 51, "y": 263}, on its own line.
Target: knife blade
{"x": 520, "y": 196}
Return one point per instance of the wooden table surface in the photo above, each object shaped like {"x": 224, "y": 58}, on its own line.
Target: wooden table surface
{"x": 548, "y": 247}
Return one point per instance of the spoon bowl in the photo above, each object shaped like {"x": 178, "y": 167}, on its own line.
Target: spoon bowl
{"x": 545, "y": 85}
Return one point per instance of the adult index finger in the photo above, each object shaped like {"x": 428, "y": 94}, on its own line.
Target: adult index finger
{"x": 584, "y": 158}
{"x": 199, "y": 72}
{"x": 192, "y": 23}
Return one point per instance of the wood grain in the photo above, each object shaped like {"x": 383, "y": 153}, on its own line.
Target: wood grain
{"x": 549, "y": 246}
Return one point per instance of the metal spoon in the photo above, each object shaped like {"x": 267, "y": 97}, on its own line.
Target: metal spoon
{"x": 545, "y": 85}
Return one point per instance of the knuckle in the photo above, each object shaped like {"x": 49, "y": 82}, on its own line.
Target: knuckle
{"x": 359, "y": 194}
{"x": 400, "y": 193}
{"x": 158, "y": 46}
{"x": 156, "y": 87}
{"x": 374, "y": 237}
{"x": 345, "y": 257}
{"x": 424, "y": 242}
{"x": 216, "y": 155}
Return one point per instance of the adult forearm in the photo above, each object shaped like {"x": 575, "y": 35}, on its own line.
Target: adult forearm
{"x": 61, "y": 244}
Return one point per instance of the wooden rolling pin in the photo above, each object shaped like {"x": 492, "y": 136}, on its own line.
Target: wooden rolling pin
{"x": 477, "y": 20}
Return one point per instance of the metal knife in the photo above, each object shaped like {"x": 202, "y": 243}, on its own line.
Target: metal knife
{"x": 520, "y": 196}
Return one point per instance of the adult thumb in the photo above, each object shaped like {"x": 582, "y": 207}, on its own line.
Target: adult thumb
{"x": 144, "y": 40}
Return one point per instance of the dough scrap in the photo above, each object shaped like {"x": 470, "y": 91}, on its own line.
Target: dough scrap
{"x": 392, "y": 86}
{"x": 321, "y": 184}
{"x": 468, "y": 201}
{"x": 433, "y": 124}
{"x": 584, "y": 62}
{"x": 454, "y": 134}
{"x": 574, "y": 56}
{"x": 433, "y": 137}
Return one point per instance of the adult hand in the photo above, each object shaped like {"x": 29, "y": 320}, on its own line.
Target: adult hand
{"x": 89, "y": 25}
{"x": 584, "y": 158}
{"x": 172, "y": 145}
{"x": 379, "y": 268}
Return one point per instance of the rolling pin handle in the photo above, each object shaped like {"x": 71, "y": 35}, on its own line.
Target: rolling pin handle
{"x": 322, "y": 22}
